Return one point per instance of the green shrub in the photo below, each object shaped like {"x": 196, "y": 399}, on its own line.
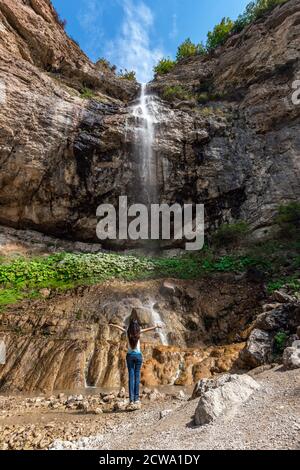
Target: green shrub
{"x": 164, "y": 66}
{"x": 230, "y": 234}
{"x": 175, "y": 92}
{"x": 189, "y": 49}
{"x": 220, "y": 33}
{"x": 128, "y": 75}
{"x": 280, "y": 341}
{"x": 87, "y": 94}
{"x": 292, "y": 283}
{"x": 253, "y": 11}
{"x": 289, "y": 215}
{"x": 205, "y": 97}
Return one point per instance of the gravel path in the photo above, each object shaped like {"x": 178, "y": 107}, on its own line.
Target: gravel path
{"x": 269, "y": 420}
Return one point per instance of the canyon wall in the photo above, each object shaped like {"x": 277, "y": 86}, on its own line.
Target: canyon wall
{"x": 62, "y": 155}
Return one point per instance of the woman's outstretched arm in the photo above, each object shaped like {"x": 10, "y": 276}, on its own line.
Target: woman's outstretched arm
{"x": 118, "y": 327}
{"x": 150, "y": 329}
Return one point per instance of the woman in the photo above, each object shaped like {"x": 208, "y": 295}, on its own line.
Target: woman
{"x": 134, "y": 360}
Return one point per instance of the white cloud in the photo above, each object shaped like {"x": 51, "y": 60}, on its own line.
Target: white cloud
{"x": 174, "y": 31}
{"x": 132, "y": 49}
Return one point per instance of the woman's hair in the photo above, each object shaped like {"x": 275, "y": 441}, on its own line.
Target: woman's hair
{"x": 134, "y": 333}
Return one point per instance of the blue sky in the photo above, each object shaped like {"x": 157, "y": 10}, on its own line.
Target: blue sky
{"x": 135, "y": 34}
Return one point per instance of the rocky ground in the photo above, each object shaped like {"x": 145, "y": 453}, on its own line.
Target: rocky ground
{"x": 35, "y": 422}
{"x": 270, "y": 419}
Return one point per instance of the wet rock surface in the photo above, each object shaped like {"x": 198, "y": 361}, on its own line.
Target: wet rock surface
{"x": 64, "y": 342}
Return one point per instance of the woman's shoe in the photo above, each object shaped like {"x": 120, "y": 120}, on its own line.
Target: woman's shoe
{"x": 137, "y": 405}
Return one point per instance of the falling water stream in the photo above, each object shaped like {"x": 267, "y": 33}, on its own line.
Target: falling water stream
{"x": 145, "y": 115}
{"x": 157, "y": 320}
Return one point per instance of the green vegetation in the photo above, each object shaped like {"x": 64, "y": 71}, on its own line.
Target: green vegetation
{"x": 87, "y": 94}
{"x": 23, "y": 278}
{"x": 291, "y": 282}
{"x": 280, "y": 342}
{"x": 254, "y": 11}
{"x": 288, "y": 218}
{"x": 278, "y": 258}
{"x": 230, "y": 234}
{"x": 189, "y": 49}
{"x": 206, "y": 96}
{"x": 175, "y": 92}
{"x": 219, "y": 34}
{"x": 127, "y": 75}
{"x": 164, "y": 66}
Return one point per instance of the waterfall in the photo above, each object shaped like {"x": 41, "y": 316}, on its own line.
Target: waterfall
{"x": 145, "y": 115}
{"x": 157, "y": 320}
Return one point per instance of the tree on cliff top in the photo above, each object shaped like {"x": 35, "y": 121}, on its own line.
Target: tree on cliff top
{"x": 219, "y": 34}
{"x": 189, "y": 49}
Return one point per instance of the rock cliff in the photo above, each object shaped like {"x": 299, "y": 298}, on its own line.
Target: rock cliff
{"x": 237, "y": 151}
{"x": 62, "y": 155}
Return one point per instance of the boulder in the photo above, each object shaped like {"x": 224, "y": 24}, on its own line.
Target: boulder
{"x": 221, "y": 396}
{"x": 164, "y": 413}
{"x": 282, "y": 297}
{"x": 258, "y": 350}
{"x": 291, "y": 356}
{"x": 120, "y": 405}
{"x": 122, "y": 393}
{"x": 284, "y": 317}
{"x": 108, "y": 398}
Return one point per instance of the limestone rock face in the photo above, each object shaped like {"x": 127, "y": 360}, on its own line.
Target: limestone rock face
{"x": 222, "y": 396}
{"x": 238, "y": 151}
{"x": 62, "y": 155}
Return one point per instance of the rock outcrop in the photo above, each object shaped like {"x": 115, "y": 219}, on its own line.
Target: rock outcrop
{"x": 64, "y": 342}
{"x": 261, "y": 345}
{"x": 238, "y": 151}
{"x": 62, "y": 155}
{"x": 291, "y": 356}
{"x": 222, "y": 396}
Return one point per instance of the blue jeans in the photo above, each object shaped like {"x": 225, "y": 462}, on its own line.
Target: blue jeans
{"x": 134, "y": 364}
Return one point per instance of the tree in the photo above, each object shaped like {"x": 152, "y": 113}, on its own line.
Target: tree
{"x": 128, "y": 75}
{"x": 164, "y": 66}
{"x": 220, "y": 33}
{"x": 253, "y": 11}
{"x": 189, "y": 49}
